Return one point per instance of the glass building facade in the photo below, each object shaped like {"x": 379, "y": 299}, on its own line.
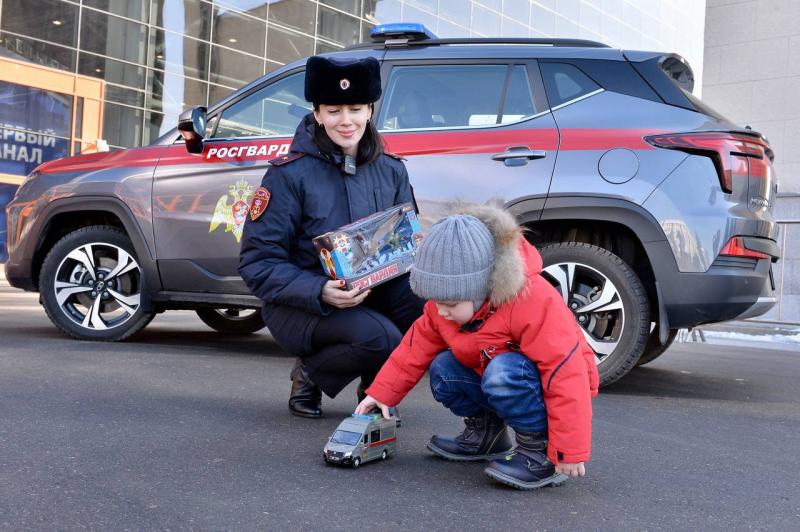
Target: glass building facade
{"x": 157, "y": 57}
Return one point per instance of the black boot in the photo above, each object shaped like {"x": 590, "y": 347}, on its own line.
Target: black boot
{"x": 361, "y": 394}
{"x": 305, "y": 398}
{"x": 527, "y": 467}
{"x": 485, "y": 437}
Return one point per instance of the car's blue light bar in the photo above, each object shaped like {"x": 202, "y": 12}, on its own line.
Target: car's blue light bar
{"x": 412, "y": 31}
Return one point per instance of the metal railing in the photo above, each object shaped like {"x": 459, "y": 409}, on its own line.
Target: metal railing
{"x": 785, "y": 226}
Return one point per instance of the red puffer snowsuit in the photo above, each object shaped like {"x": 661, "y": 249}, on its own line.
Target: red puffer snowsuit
{"x": 529, "y": 313}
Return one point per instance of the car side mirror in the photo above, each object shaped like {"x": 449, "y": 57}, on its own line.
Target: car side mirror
{"x": 192, "y": 127}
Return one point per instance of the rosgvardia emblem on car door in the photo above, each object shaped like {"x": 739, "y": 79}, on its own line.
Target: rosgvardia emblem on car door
{"x": 233, "y": 214}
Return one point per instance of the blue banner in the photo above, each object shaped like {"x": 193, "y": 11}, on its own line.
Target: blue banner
{"x": 35, "y": 127}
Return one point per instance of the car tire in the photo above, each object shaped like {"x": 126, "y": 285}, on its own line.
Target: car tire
{"x": 384, "y": 455}
{"x": 75, "y": 267}
{"x": 653, "y": 349}
{"x": 607, "y": 299}
{"x": 232, "y": 321}
{"x": 356, "y": 462}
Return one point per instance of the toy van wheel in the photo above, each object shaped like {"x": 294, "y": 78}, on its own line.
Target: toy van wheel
{"x": 384, "y": 455}
{"x": 356, "y": 462}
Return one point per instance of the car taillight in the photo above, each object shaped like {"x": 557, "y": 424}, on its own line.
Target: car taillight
{"x": 736, "y": 248}
{"x": 731, "y": 152}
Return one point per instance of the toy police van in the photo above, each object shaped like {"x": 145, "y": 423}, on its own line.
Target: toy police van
{"x": 361, "y": 438}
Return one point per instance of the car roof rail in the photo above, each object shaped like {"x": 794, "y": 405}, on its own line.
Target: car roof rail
{"x": 405, "y": 42}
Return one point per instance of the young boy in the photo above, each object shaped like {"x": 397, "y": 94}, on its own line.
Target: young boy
{"x": 501, "y": 347}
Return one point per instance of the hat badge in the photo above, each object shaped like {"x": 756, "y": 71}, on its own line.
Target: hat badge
{"x": 344, "y": 83}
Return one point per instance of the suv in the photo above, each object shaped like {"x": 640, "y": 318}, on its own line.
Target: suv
{"x": 651, "y": 211}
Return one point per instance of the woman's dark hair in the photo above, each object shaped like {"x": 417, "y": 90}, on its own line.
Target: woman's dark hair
{"x": 370, "y": 147}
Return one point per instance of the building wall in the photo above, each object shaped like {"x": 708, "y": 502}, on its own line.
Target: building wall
{"x": 159, "y": 57}
{"x": 659, "y": 25}
{"x": 752, "y": 76}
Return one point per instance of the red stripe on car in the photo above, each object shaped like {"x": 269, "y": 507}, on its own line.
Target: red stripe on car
{"x": 407, "y": 144}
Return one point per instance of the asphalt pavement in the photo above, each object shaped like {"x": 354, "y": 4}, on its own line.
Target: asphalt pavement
{"x": 182, "y": 428}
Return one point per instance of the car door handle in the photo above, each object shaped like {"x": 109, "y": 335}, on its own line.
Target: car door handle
{"x": 519, "y": 152}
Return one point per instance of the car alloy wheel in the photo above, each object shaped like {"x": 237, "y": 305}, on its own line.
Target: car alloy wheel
{"x": 98, "y": 286}
{"x": 92, "y": 285}
{"x": 233, "y": 321}
{"x": 607, "y": 299}
{"x": 595, "y": 302}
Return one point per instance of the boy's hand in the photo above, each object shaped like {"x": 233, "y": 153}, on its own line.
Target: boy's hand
{"x": 572, "y": 470}
{"x": 368, "y": 403}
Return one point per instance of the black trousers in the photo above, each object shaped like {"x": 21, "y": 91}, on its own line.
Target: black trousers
{"x": 349, "y": 343}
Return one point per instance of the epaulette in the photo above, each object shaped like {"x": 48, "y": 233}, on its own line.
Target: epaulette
{"x": 395, "y": 156}
{"x": 285, "y": 159}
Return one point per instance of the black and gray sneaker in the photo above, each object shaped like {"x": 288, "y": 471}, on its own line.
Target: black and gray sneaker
{"x": 484, "y": 437}
{"x": 527, "y": 467}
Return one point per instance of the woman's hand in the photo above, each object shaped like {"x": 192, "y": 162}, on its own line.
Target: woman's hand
{"x": 572, "y": 470}
{"x": 369, "y": 403}
{"x": 333, "y": 294}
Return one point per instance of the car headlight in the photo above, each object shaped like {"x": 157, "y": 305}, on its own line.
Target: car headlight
{"x": 347, "y": 454}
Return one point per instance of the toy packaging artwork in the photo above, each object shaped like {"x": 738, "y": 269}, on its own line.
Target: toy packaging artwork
{"x": 372, "y": 250}
{"x": 361, "y": 438}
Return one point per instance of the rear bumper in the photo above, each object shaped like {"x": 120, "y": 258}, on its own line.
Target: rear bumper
{"x": 724, "y": 292}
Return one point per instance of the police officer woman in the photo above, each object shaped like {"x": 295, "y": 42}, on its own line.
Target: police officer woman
{"x": 336, "y": 172}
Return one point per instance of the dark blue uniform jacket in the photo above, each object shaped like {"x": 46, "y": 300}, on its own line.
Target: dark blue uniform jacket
{"x": 310, "y": 195}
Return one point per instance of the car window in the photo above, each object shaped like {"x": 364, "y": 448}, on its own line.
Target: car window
{"x": 440, "y": 96}
{"x": 271, "y": 111}
{"x": 565, "y": 82}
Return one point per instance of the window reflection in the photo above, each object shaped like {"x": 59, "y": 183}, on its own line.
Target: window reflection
{"x": 485, "y": 21}
{"x": 294, "y": 14}
{"x": 216, "y": 93}
{"x": 122, "y": 126}
{"x": 172, "y": 93}
{"x": 111, "y": 70}
{"x": 234, "y": 69}
{"x": 457, "y": 11}
{"x": 238, "y": 31}
{"x": 113, "y": 36}
{"x": 285, "y": 46}
{"x": 155, "y": 125}
{"x": 338, "y": 27}
{"x": 190, "y": 17}
{"x": 352, "y": 7}
{"x": 123, "y": 95}
{"x": 49, "y": 20}
{"x": 38, "y": 52}
{"x": 135, "y": 9}
{"x": 178, "y": 54}
{"x": 324, "y": 48}
{"x": 256, "y": 8}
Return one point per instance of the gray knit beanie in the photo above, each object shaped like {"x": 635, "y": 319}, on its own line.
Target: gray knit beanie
{"x": 454, "y": 261}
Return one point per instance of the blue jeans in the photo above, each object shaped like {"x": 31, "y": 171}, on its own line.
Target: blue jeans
{"x": 510, "y": 387}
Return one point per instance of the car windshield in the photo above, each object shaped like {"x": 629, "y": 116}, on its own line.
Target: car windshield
{"x": 345, "y": 437}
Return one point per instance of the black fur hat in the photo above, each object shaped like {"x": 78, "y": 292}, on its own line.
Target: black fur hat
{"x": 342, "y": 81}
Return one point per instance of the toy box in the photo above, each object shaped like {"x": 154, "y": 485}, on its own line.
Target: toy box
{"x": 372, "y": 250}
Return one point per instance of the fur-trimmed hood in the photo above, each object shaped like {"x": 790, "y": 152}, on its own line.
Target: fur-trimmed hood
{"x": 515, "y": 260}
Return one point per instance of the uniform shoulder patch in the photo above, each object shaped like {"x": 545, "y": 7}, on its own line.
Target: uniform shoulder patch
{"x": 259, "y": 203}
{"x": 395, "y": 156}
{"x": 285, "y": 159}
